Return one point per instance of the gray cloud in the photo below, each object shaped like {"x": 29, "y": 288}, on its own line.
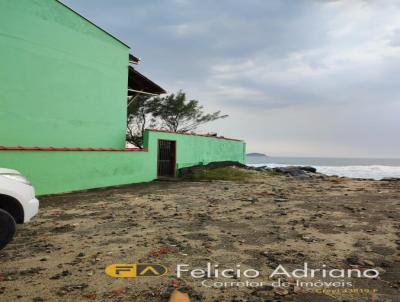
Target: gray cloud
{"x": 394, "y": 39}
{"x": 304, "y": 77}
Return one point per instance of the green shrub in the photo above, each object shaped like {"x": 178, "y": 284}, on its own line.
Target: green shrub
{"x": 226, "y": 173}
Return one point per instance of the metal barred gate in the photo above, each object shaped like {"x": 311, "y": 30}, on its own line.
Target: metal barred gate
{"x": 166, "y": 158}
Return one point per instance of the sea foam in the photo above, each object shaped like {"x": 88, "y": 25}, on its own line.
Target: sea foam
{"x": 373, "y": 171}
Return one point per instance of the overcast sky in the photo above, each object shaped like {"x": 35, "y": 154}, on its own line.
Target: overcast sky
{"x": 298, "y": 78}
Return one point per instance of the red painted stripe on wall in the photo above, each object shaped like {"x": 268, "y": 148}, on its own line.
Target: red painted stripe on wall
{"x": 71, "y": 149}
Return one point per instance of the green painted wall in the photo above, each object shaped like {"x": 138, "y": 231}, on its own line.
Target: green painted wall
{"x": 63, "y": 171}
{"x": 196, "y": 150}
{"x": 63, "y": 81}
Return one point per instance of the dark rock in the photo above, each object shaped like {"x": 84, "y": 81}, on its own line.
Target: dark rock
{"x": 32, "y": 271}
{"x": 390, "y": 179}
{"x": 69, "y": 288}
{"x": 308, "y": 169}
{"x": 386, "y": 264}
{"x": 262, "y": 168}
{"x": 252, "y": 199}
{"x": 63, "y": 229}
{"x": 295, "y": 170}
{"x": 354, "y": 260}
{"x": 62, "y": 274}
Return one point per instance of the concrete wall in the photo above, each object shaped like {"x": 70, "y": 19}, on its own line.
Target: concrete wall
{"x": 63, "y": 171}
{"x": 63, "y": 81}
{"x": 196, "y": 150}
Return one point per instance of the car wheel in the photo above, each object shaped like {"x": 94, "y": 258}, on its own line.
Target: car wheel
{"x": 7, "y": 228}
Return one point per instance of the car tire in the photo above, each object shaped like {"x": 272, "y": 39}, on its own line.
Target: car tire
{"x": 7, "y": 228}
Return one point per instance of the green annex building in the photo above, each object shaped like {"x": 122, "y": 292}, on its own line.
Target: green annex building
{"x": 64, "y": 84}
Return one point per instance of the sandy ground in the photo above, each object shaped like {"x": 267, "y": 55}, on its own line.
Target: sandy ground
{"x": 269, "y": 220}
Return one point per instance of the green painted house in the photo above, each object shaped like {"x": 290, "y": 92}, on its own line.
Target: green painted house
{"x": 64, "y": 84}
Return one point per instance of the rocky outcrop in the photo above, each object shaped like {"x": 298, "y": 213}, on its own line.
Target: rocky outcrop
{"x": 296, "y": 171}
{"x": 390, "y": 179}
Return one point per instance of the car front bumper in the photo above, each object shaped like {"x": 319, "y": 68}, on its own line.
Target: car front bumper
{"x": 31, "y": 208}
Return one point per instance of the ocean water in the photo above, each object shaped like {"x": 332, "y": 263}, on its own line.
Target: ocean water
{"x": 373, "y": 168}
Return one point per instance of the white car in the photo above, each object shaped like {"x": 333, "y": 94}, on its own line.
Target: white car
{"x": 18, "y": 203}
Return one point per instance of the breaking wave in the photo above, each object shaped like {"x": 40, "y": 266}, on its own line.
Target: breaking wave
{"x": 372, "y": 172}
